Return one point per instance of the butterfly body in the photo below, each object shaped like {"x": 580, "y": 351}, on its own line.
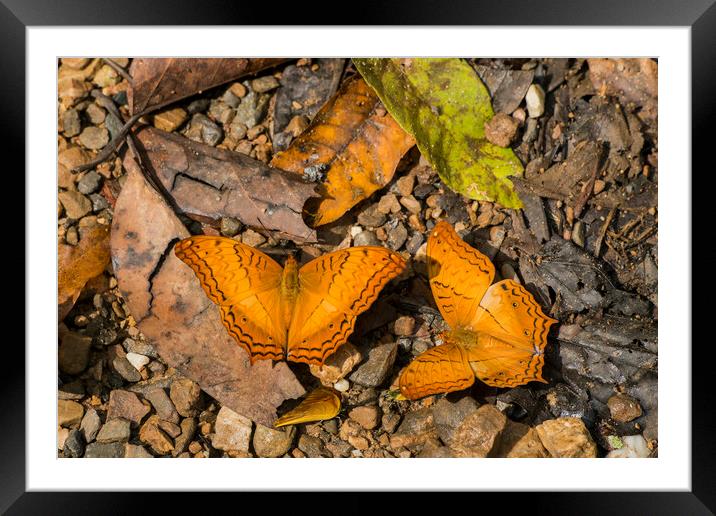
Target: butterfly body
{"x": 498, "y": 332}
{"x": 302, "y": 314}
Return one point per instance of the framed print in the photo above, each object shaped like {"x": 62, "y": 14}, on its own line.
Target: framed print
{"x": 416, "y": 242}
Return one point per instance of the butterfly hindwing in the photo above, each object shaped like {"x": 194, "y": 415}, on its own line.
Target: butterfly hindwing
{"x": 459, "y": 275}
{"x": 499, "y": 363}
{"x": 333, "y": 290}
{"x": 245, "y": 283}
{"x": 443, "y": 368}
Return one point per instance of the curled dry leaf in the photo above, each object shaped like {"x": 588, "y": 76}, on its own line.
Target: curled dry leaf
{"x": 76, "y": 265}
{"x": 355, "y": 143}
{"x": 172, "y": 311}
{"x": 208, "y": 184}
{"x": 444, "y": 105}
{"x": 161, "y": 81}
{"x": 319, "y": 405}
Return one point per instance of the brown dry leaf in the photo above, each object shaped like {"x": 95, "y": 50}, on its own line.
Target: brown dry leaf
{"x": 161, "y": 81}
{"x": 355, "y": 142}
{"x": 76, "y": 265}
{"x": 209, "y": 183}
{"x": 170, "y": 308}
{"x": 631, "y": 80}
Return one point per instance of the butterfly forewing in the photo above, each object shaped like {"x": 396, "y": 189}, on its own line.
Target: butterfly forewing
{"x": 333, "y": 290}
{"x": 459, "y": 275}
{"x": 245, "y": 283}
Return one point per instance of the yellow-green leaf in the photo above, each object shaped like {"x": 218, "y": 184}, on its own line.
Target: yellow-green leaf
{"x": 319, "y": 405}
{"x": 444, "y": 105}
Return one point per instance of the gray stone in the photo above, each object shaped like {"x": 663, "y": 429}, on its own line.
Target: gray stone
{"x": 126, "y": 370}
{"x": 449, "y": 415}
{"x": 230, "y": 99}
{"x": 371, "y": 217}
{"x": 366, "y": 237}
{"x": 237, "y": 129}
{"x": 397, "y": 236}
{"x": 114, "y": 430}
{"x": 198, "y": 106}
{"x": 375, "y": 370}
{"x": 74, "y": 445}
{"x": 90, "y": 425}
{"x": 203, "y": 129}
{"x": 105, "y": 450}
{"x": 163, "y": 405}
{"x": 73, "y": 354}
{"x": 221, "y": 112}
{"x": 99, "y": 203}
{"x": 89, "y": 183}
{"x": 94, "y": 137}
{"x": 95, "y": 114}
{"x": 264, "y": 84}
{"x": 71, "y": 125}
{"x": 312, "y": 446}
{"x": 76, "y": 205}
{"x": 252, "y": 109}
{"x": 269, "y": 442}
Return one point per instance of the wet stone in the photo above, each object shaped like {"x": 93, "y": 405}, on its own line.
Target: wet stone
{"x": 269, "y": 442}
{"x": 89, "y": 183}
{"x": 375, "y": 370}
{"x": 94, "y": 137}
{"x": 74, "y": 446}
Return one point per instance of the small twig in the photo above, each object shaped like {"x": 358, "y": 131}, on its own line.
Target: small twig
{"x": 115, "y": 66}
{"x": 603, "y": 232}
{"x": 646, "y": 234}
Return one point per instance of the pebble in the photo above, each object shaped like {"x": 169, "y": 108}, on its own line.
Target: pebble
{"x": 90, "y": 425}
{"x": 203, "y": 129}
{"x": 578, "y": 233}
{"x": 635, "y": 446}
{"x": 252, "y": 238}
{"x": 342, "y": 385}
{"x": 71, "y": 236}
{"x": 71, "y": 88}
{"x": 414, "y": 242}
{"x": 230, "y": 99}
{"x": 76, "y": 205}
{"x": 126, "y": 370}
{"x": 114, "y": 430}
{"x": 297, "y": 125}
{"x": 73, "y": 355}
{"x": 252, "y": 109}
{"x": 390, "y": 421}
{"x": 254, "y": 132}
{"x": 137, "y": 360}
{"x": 404, "y": 325}
{"x": 479, "y": 432}
{"x": 198, "y": 106}
{"x": 417, "y": 428}
{"x": 126, "y": 405}
{"x": 599, "y": 186}
{"x": 188, "y": 430}
{"x": 527, "y": 445}
{"x": 62, "y": 434}
{"x": 371, "y": 217}
{"x": 367, "y": 417}
{"x": 339, "y": 448}
{"x": 106, "y": 76}
{"x": 535, "y": 101}
{"x": 89, "y": 183}
{"x": 185, "y": 394}
{"x": 221, "y": 112}
{"x": 73, "y": 157}
{"x": 76, "y": 63}
{"x": 136, "y": 451}
{"x": 74, "y": 446}
{"x": 162, "y": 405}
{"x": 388, "y": 204}
{"x": 105, "y": 450}
{"x": 366, "y": 237}
{"x": 94, "y": 137}
{"x": 312, "y": 446}
{"x": 170, "y": 428}
{"x": 405, "y": 185}
{"x": 376, "y": 368}
{"x": 448, "y": 416}
{"x": 71, "y": 125}
{"x": 170, "y": 120}
{"x": 566, "y": 437}
{"x": 95, "y": 114}
{"x": 264, "y": 84}
{"x": 623, "y": 408}
{"x": 232, "y": 431}
{"x": 501, "y": 130}
{"x": 152, "y": 435}
{"x": 238, "y": 90}
{"x": 411, "y": 204}
{"x": 139, "y": 347}
{"x": 270, "y": 443}
{"x": 230, "y": 226}
{"x": 69, "y": 413}
{"x": 397, "y": 236}
{"x": 337, "y": 365}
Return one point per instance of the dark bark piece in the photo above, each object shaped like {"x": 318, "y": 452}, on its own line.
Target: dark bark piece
{"x": 209, "y": 184}
{"x": 311, "y": 89}
{"x": 161, "y": 81}
{"x": 173, "y": 312}
{"x": 534, "y": 212}
{"x": 507, "y": 87}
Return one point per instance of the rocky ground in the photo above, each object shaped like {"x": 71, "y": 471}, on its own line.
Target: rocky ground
{"x": 594, "y": 270}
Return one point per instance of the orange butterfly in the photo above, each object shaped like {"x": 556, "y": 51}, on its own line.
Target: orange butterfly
{"x": 302, "y": 315}
{"x": 498, "y": 333}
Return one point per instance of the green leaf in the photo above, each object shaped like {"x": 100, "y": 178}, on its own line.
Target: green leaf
{"x": 444, "y": 105}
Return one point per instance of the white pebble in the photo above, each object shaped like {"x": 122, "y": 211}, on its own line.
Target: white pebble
{"x": 535, "y": 100}
{"x": 342, "y": 385}
{"x": 356, "y": 230}
{"x": 137, "y": 360}
{"x": 634, "y": 447}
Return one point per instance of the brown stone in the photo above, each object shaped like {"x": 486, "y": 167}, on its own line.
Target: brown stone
{"x": 170, "y": 120}
{"x": 152, "y": 435}
{"x": 479, "y": 433}
{"x": 501, "y": 129}
{"x": 338, "y": 365}
{"x": 126, "y": 405}
{"x": 185, "y": 395}
{"x": 367, "y": 417}
{"x": 566, "y": 437}
{"x": 623, "y": 408}
{"x": 404, "y": 325}
{"x": 76, "y": 205}
{"x": 74, "y": 351}
{"x": 269, "y": 442}
{"x": 415, "y": 430}
{"x": 69, "y": 413}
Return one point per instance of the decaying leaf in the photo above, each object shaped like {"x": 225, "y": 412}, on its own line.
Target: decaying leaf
{"x": 171, "y": 310}
{"x": 507, "y": 87}
{"x": 76, "y": 265}
{"x": 161, "y": 81}
{"x": 444, "y": 105}
{"x": 631, "y": 80}
{"x": 209, "y": 183}
{"x": 355, "y": 143}
{"x": 319, "y": 405}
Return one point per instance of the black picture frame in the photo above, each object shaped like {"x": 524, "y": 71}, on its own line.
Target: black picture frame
{"x": 700, "y": 16}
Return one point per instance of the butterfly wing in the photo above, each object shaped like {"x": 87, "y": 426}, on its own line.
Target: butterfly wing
{"x": 443, "y": 368}
{"x": 318, "y": 405}
{"x": 459, "y": 275}
{"x": 518, "y": 330}
{"x": 244, "y": 282}
{"x": 333, "y": 290}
